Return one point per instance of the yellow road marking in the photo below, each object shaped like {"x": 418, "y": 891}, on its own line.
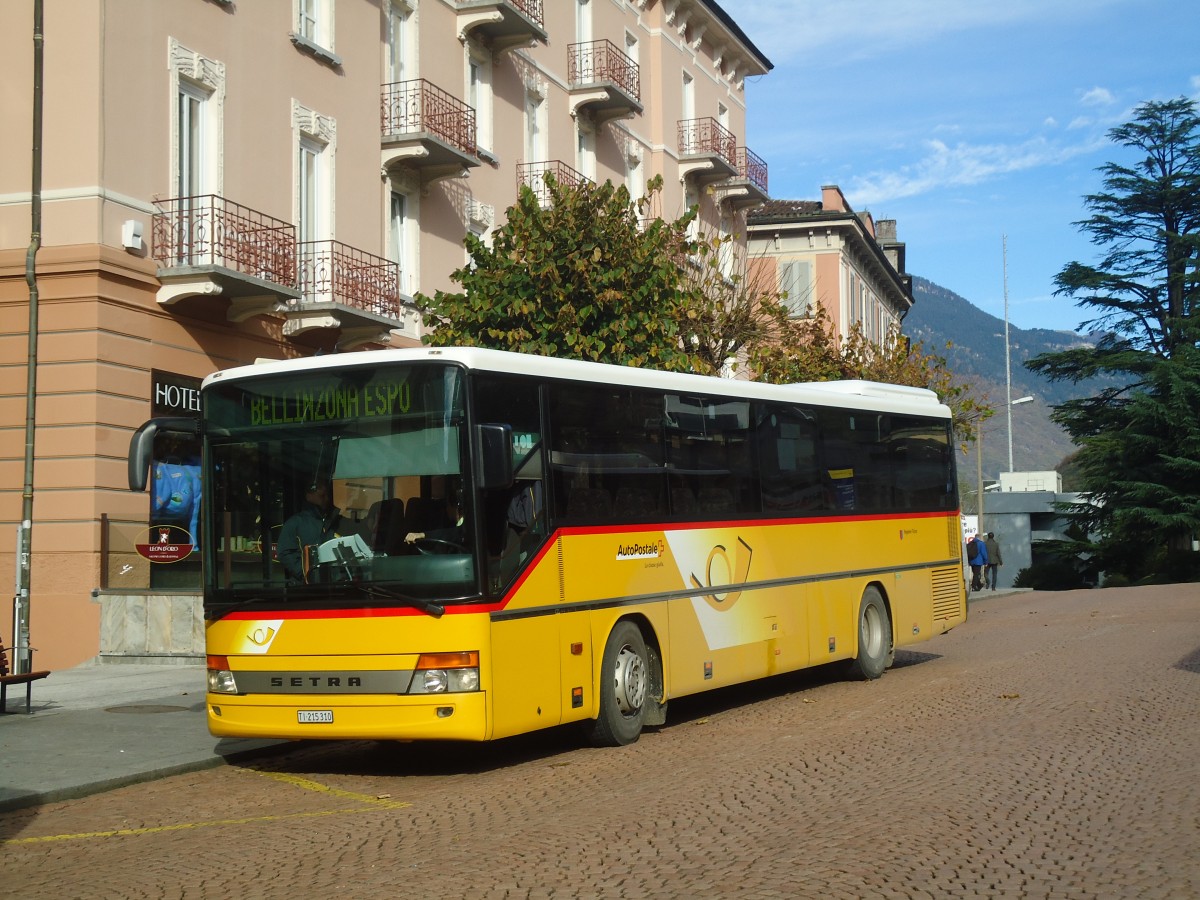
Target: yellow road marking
{"x": 373, "y": 804}
{"x": 309, "y": 785}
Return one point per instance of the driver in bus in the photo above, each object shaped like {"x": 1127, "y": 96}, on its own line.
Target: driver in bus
{"x": 317, "y": 521}
{"x": 455, "y": 533}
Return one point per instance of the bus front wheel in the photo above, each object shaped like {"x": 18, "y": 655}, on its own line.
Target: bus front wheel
{"x": 624, "y": 688}
{"x": 875, "y": 650}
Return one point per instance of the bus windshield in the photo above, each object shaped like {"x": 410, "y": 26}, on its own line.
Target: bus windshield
{"x": 338, "y": 485}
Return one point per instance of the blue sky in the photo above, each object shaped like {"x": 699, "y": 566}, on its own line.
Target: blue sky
{"x": 965, "y": 122}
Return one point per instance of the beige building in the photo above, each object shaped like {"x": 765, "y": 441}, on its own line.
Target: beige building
{"x": 224, "y": 180}
{"x": 823, "y": 252}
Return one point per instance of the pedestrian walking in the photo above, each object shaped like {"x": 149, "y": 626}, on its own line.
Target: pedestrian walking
{"x": 976, "y": 559}
{"x": 994, "y": 560}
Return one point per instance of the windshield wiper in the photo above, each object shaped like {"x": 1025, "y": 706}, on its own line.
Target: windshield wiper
{"x": 426, "y": 606}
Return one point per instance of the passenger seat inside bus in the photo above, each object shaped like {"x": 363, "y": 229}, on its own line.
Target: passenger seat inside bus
{"x": 389, "y": 530}
{"x": 636, "y": 502}
{"x": 589, "y": 503}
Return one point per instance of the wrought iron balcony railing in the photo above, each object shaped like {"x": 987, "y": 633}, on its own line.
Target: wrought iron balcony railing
{"x": 752, "y": 168}
{"x": 333, "y": 272}
{"x": 597, "y": 61}
{"x": 414, "y": 107}
{"x": 707, "y": 137}
{"x": 209, "y": 230}
{"x": 532, "y": 174}
{"x": 531, "y": 8}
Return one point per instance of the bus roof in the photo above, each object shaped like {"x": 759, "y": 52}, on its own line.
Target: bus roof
{"x": 866, "y": 395}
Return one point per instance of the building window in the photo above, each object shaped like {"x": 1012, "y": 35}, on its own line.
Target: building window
{"x": 585, "y": 149}
{"x": 691, "y": 198}
{"x": 583, "y": 21}
{"x": 196, "y": 121}
{"x": 309, "y": 190}
{"x": 635, "y": 173}
{"x": 402, "y": 223}
{"x": 795, "y": 280}
{"x": 316, "y": 136}
{"x": 480, "y": 218}
{"x": 479, "y": 93}
{"x": 314, "y": 22}
{"x": 631, "y": 47}
{"x": 190, "y": 156}
{"x": 401, "y": 49}
{"x": 689, "y": 97}
{"x": 313, "y": 29}
{"x": 536, "y": 140}
{"x": 728, "y": 257}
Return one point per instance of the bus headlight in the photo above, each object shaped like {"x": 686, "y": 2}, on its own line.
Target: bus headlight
{"x": 220, "y": 677}
{"x": 446, "y": 673}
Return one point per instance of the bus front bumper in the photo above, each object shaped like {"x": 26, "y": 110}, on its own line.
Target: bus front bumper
{"x": 443, "y": 717}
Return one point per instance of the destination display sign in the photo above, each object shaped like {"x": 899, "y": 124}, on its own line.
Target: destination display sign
{"x": 327, "y": 403}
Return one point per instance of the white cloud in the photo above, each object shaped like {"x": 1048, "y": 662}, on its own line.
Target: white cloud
{"x": 1098, "y": 96}
{"x": 960, "y": 165}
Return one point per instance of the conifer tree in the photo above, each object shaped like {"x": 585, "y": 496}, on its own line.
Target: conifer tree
{"x": 1139, "y": 457}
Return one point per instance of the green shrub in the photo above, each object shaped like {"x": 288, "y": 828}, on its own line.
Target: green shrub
{"x": 1051, "y": 575}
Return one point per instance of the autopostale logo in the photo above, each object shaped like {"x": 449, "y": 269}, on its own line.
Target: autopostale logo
{"x": 642, "y": 550}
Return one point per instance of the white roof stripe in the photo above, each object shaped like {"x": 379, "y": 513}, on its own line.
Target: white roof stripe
{"x": 866, "y": 395}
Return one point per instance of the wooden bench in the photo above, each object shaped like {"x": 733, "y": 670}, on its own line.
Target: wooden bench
{"x": 7, "y": 678}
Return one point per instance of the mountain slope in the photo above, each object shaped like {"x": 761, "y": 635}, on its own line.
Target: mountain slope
{"x": 976, "y": 357}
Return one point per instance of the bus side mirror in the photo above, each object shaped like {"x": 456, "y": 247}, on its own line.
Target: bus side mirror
{"x": 141, "y": 445}
{"x": 494, "y": 468}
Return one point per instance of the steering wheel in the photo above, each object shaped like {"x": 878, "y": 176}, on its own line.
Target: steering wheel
{"x": 435, "y": 546}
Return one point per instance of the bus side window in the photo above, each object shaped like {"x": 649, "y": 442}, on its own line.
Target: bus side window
{"x": 514, "y": 519}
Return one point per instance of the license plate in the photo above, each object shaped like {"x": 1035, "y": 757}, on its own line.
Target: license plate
{"x": 314, "y": 716}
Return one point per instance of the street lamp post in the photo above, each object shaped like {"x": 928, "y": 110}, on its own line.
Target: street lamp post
{"x": 979, "y": 453}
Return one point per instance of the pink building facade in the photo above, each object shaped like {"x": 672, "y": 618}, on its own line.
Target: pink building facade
{"x": 824, "y": 253}
{"x": 228, "y": 181}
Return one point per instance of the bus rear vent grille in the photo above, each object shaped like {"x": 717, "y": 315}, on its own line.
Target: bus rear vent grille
{"x": 955, "y": 535}
{"x": 947, "y": 593}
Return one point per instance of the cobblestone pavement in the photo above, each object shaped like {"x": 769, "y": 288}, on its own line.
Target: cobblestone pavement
{"x": 1048, "y": 748}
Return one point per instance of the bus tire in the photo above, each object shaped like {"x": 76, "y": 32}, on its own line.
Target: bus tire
{"x": 874, "y": 637}
{"x": 624, "y": 688}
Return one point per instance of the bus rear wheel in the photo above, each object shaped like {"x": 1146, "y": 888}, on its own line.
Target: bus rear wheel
{"x": 624, "y": 688}
{"x": 875, "y": 650}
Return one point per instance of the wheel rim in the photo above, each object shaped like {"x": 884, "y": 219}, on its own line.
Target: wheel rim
{"x": 872, "y": 632}
{"x": 630, "y": 681}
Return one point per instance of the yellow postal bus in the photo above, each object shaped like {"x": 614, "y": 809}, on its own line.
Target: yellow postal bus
{"x": 465, "y": 544}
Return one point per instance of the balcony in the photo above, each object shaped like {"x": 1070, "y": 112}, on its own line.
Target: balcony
{"x": 504, "y": 24}
{"x": 749, "y": 186}
{"x": 533, "y": 174}
{"x": 604, "y": 82}
{"x": 210, "y": 248}
{"x": 344, "y": 290}
{"x": 426, "y": 129}
{"x": 207, "y": 246}
{"x": 707, "y": 150}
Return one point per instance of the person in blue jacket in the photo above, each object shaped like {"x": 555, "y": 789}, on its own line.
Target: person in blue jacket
{"x": 976, "y": 558}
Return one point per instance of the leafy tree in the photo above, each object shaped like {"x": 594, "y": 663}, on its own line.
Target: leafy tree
{"x": 808, "y": 349}
{"x": 589, "y": 275}
{"x": 737, "y": 305}
{"x": 1139, "y": 440}
{"x": 578, "y": 278}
